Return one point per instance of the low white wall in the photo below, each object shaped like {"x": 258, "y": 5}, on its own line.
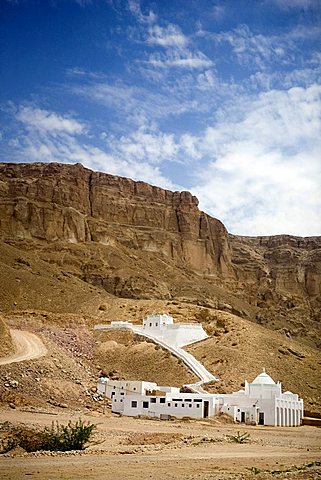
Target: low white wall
{"x": 179, "y": 405}
{"x": 176, "y": 335}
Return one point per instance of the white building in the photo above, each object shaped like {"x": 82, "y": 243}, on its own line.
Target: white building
{"x": 111, "y": 388}
{"x": 163, "y": 328}
{"x": 261, "y": 402}
{"x": 134, "y": 399}
{"x": 175, "y": 334}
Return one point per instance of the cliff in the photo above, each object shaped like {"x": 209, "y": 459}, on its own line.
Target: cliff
{"x": 135, "y": 240}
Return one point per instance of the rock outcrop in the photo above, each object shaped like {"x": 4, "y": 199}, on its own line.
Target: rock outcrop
{"x": 69, "y": 203}
{"x": 136, "y": 240}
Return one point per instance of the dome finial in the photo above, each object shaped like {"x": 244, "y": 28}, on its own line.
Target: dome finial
{"x": 263, "y": 369}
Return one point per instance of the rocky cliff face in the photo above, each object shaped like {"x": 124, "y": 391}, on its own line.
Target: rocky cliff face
{"x": 55, "y": 202}
{"x": 281, "y": 276}
{"x": 139, "y": 241}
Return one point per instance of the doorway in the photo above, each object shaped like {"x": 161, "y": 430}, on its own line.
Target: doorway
{"x": 261, "y": 418}
{"x": 242, "y": 417}
{"x": 206, "y": 404}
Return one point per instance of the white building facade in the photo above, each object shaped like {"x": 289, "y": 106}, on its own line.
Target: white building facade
{"x": 263, "y": 403}
{"x": 163, "y": 328}
{"x": 175, "y": 334}
{"x": 260, "y": 403}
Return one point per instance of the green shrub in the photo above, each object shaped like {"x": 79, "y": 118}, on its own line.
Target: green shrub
{"x": 239, "y": 438}
{"x": 73, "y": 436}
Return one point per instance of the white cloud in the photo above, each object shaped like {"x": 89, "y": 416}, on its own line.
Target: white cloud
{"x": 145, "y": 145}
{"x": 265, "y": 173}
{"x": 170, "y": 36}
{"x": 135, "y": 9}
{"x": 207, "y": 80}
{"x": 185, "y": 60}
{"x": 298, "y": 77}
{"x": 257, "y": 167}
{"x": 52, "y": 137}
{"x": 48, "y": 121}
{"x": 257, "y": 50}
{"x": 137, "y": 105}
{"x": 179, "y": 51}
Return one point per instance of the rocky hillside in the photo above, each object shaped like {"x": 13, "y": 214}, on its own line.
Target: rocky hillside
{"x": 6, "y": 345}
{"x": 78, "y": 237}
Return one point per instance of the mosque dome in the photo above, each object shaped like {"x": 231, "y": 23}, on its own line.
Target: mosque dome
{"x": 263, "y": 379}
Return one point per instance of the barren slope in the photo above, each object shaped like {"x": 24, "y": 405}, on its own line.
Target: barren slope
{"x": 134, "y": 240}
{"x": 79, "y": 248}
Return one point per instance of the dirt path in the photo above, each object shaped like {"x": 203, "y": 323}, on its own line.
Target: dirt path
{"x": 192, "y": 465}
{"x": 133, "y": 449}
{"x": 28, "y": 347}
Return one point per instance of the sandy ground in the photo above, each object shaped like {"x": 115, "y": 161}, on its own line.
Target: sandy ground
{"x": 28, "y": 347}
{"x": 148, "y": 449}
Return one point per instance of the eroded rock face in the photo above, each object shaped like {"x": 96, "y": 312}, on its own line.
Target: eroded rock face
{"x": 56, "y": 202}
{"x": 281, "y": 276}
{"x": 136, "y": 240}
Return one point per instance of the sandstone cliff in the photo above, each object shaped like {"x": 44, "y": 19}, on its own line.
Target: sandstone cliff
{"x": 135, "y": 240}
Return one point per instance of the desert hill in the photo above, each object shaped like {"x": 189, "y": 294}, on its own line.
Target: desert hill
{"x": 77, "y": 244}
{"x": 134, "y": 240}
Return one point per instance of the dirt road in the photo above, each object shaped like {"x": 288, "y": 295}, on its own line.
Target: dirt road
{"x": 28, "y": 347}
{"x": 139, "y": 449}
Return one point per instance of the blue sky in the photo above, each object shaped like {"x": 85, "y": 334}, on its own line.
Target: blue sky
{"x": 221, "y": 98}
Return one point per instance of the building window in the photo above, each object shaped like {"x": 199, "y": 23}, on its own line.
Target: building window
{"x": 162, "y": 400}
{"x": 198, "y": 405}
{"x": 153, "y": 400}
{"x": 197, "y": 400}
{"x": 112, "y": 394}
{"x": 156, "y": 324}
{"x": 150, "y": 324}
{"x": 175, "y": 404}
{"x": 145, "y": 404}
{"x": 122, "y": 393}
{"x": 168, "y": 404}
{"x": 183, "y": 405}
{"x": 121, "y": 400}
{"x": 134, "y": 388}
{"x": 134, "y": 403}
{"x": 190, "y": 405}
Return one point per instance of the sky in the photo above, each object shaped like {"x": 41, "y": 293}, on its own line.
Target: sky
{"x": 218, "y": 97}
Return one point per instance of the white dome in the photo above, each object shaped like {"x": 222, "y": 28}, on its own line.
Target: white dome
{"x": 264, "y": 379}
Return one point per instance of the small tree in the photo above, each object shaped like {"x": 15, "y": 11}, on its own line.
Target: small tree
{"x": 73, "y": 436}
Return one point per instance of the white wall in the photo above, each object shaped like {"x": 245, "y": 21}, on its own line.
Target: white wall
{"x": 109, "y": 387}
{"x": 182, "y": 405}
{"x": 277, "y": 410}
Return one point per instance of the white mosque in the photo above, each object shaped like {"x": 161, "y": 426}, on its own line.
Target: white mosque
{"x": 260, "y": 403}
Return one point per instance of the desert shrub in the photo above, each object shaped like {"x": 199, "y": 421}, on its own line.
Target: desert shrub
{"x": 239, "y": 438}
{"x": 73, "y": 436}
